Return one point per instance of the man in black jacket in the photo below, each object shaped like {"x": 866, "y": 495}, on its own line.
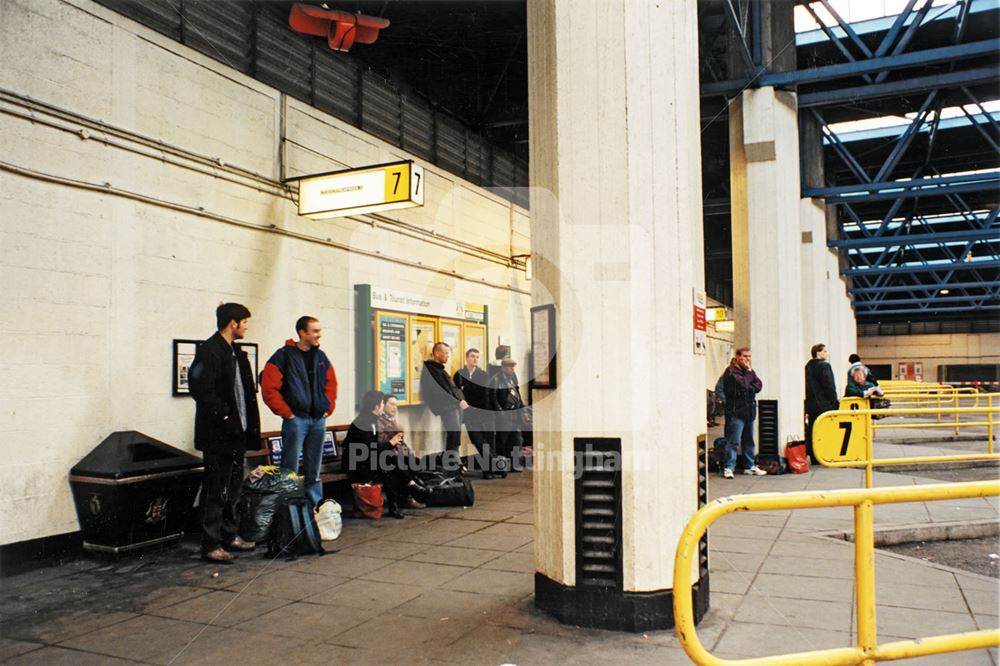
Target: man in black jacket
{"x": 505, "y": 396}
{"x": 226, "y": 426}
{"x": 439, "y": 393}
{"x": 478, "y": 419}
{"x": 821, "y": 390}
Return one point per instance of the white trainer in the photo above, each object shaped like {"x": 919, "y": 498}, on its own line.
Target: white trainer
{"x": 755, "y": 471}
{"x": 727, "y": 474}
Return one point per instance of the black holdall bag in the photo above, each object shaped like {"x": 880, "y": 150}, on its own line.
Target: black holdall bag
{"x": 294, "y": 531}
{"x": 442, "y": 489}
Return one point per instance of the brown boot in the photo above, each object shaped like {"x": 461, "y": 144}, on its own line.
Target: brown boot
{"x": 239, "y": 544}
{"x": 218, "y": 556}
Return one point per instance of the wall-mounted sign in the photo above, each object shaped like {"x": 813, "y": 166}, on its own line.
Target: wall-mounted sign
{"x": 363, "y": 190}
{"x": 715, "y": 313}
{"x": 391, "y": 356}
{"x": 700, "y": 336}
{"x": 401, "y": 301}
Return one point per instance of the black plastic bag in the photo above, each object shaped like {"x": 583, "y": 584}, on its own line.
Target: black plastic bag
{"x": 262, "y": 497}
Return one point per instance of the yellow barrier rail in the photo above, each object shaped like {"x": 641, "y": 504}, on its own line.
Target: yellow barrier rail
{"x": 867, "y": 651}
{"x": 844, "y": 437}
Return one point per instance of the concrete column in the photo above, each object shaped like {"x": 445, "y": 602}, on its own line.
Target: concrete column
{"x": 617, "y": 245}
{"x": 767, "y": 261}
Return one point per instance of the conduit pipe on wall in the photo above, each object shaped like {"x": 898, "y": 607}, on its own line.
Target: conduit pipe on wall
{"x": 89, "y": 129}
{"x": 267, "y": 228}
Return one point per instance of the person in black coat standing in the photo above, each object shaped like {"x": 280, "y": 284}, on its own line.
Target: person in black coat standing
{"x": 821, "y": 390}
{"x": 505, "y": 397}
{"x": 478, "y": 419}
{"x": 439, "y": 393}
{"x": 226, "y": 426}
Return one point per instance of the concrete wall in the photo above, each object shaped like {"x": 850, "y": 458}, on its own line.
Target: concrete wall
{"x": 113, "y": 244}
{"x": 931, "y": 350}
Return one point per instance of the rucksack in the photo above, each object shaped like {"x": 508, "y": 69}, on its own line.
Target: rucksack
{"x": 294, "y": 531}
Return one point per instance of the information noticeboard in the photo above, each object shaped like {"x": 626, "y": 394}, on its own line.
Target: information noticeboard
{"x": 391, "y": 355}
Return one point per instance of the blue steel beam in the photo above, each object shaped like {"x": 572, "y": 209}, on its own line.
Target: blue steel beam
{"x": 893, "y": 189}
{"x": 895, "y": 311}
{"x": 918, "y": 84}
{"x": 860, "y": 67}
{"x": 995, "y": 284}
{"x": 921, "y": 268}
{"x": 913, "y": 239}
{"x": 929, "y": 302}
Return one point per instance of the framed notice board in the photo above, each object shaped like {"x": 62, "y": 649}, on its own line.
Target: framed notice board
{"x": 391, "y": 355}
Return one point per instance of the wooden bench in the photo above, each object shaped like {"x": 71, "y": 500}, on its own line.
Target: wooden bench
{"x": 331, "y": 467}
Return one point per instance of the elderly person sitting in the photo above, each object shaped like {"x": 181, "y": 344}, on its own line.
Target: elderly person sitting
{"x": 859, "y": 385}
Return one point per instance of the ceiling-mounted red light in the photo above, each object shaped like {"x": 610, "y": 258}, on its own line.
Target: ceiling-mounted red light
{"x": 341, "y": 29}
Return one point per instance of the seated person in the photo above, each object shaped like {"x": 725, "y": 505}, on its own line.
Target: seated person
{"x": 396, "y": 466}
{"x": 859, "y": 386}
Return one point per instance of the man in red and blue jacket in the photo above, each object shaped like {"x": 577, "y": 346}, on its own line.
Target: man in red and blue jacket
{"x": 299, "y": 385}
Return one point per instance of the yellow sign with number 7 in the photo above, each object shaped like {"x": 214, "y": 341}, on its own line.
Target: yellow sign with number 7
{"x": 842, "y": 436}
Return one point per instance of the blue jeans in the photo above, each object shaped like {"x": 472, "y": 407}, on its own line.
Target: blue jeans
{"x": 739, "y": 431}
{"x": 306, "y": 435}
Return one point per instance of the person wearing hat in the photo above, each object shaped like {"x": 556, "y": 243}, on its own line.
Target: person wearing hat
{"x": 505, "y": 398}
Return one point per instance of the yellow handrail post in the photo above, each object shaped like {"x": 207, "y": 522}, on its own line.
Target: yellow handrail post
{"x": 864, "y": 575}
{"x": 869, "y": 453}
{"x": 989, "y": 422}
{"x": 956, "y": 416}
{"x": 938, "y": 406}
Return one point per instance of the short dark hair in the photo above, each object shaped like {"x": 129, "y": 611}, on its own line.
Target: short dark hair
{"x": 302, "y": 323}
{"x": 854, "y": 358}
{"x": 740, "y": 351}
{"x": 228, "y": 312}
{"x": 439, "y": 344}
{"x": 817, "y": 348}
{"x": 371, "y": 400}
{"x": 471, "y": 350}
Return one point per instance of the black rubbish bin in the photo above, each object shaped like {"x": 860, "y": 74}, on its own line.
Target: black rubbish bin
{"x": 133, "y": 491}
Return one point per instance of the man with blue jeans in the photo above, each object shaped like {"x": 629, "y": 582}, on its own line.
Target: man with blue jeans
{"x": 740, "y": 384}
{"x": 299, "y": 385}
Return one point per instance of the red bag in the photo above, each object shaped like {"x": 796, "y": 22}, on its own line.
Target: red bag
{"x": 368, "y": 499}
{"x": 798, "y": 460}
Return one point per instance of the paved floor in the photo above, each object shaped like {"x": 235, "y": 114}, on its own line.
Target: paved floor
{"x": 455, "y": 586}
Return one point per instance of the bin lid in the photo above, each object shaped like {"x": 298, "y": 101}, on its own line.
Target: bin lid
{"x": 130, "y": 453}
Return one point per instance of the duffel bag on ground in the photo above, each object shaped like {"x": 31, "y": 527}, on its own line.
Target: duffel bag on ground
{"x": 446, "y": 490}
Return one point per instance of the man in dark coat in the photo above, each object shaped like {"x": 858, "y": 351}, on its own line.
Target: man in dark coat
{"x": 478, "y": 419}
{"x": 439, "y": 393}
{"x": 505, "y": 396}
{"x": 741, "y": 386}
{"x": 226, "y": 426}
{"x": 821, "y": 390}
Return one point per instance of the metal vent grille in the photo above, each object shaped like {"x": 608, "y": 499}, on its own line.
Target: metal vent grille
{"x": 767, "y": 418}
{"x": 702, "y": 501}
{"x": 598, "y": 512}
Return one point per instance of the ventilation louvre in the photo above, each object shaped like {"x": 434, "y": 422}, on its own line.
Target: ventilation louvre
{"x": 598, "y": 512}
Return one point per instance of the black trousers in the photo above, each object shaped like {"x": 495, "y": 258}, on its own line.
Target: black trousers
{"x": 508, "y": 435}
{"x": 220, "y": 495}
{"x": 481, "y": 433}
{"x": 451, "y": 422}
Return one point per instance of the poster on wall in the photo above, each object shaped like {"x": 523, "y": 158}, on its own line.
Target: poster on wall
{"x": 391, "y": 367}
{"x": 475, "y": 338}
{"x": 543, "y": 347}
{"x": 184, "y": 351}
{"x": 451, "y": 333}
{"x": 700, "y": 326}
{"x": 423, "y": 335}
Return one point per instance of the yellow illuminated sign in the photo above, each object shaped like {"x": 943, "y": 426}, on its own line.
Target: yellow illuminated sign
{"x": 363, "y": 190}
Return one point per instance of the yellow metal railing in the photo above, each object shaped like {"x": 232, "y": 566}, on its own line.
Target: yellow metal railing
{"x": 867, "y": 651}
{"x": 844, "y": 437}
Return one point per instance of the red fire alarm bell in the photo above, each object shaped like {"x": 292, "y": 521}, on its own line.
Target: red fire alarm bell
{"x": 341, "y": 29}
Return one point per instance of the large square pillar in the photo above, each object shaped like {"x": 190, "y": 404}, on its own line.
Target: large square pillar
{"x": 767, "y": 256}
{"x": 617, "y": 245}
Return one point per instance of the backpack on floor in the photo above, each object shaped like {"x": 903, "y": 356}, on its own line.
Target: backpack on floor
{"x": 294, "y": 531}
{"x": 717, "y": 455}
